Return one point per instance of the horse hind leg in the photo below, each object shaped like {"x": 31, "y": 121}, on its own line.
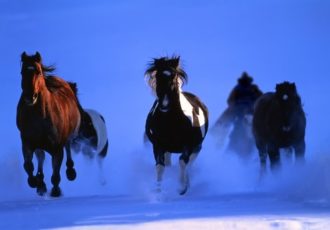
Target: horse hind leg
{"x": 100, "y": 160}
{"x": 41, "y": 186}
{"x": 57, "y": 158}
{"x": 70, "y": 171}
{"x": 184, "y": 178}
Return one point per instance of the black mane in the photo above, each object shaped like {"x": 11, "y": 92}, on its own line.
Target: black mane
{"x": 165, "y": 63}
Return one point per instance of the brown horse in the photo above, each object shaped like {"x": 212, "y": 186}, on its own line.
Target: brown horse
{"x": 47, "y": 118}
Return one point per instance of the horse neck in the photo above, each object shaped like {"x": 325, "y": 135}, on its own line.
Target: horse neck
{"x": 43, "y": 95}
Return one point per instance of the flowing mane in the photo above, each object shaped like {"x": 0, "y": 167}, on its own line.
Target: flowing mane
{"x": 164, "y": 64}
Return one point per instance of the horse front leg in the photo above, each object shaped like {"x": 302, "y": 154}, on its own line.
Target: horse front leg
{"x": 159, "y": 155}
{"x": 57, "y": 158}
{"x": 41, "y": 186}
{"x": 28, "y": 165}
{"x": 274, "y": 157}
{"x": 300, "y": 152}
{"x": 262, "y": 150}
{"x": 70, "y": 171}
{"x": 186, "y": 160}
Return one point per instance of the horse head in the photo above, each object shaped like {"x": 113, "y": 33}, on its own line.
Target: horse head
{"x": 32, "y": 77}
{"x": 166, "y": 78}
{"x": 290, "y": 102}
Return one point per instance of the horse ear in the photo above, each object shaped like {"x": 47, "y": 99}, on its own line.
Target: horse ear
{"x": 277, "y": 87}
{"x": 23, "y": 56}
{"x": 293, "y": 85}
{"x": 176, "y": 61}
{"x": 73, "y": 86}
{"x": 156, "y": 61}
{"x": 38, "y": 57}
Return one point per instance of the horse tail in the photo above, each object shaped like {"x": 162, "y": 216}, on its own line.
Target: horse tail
{"x": 104, "y": 151}
{"x": 101, "y": 131}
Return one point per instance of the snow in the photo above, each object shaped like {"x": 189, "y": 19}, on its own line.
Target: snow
{"x": 105, "y": 47}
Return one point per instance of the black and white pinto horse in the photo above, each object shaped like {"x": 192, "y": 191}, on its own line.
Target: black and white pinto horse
{"x": 279, "y": 122}
{"x": 92, "y": 138}
{"x": 177, "y": 122}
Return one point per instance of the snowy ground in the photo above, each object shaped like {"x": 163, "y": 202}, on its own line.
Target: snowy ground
{"x": 219, "y": 198}
{"x": 105, "y": 46}
{"x": 236, "y": 211}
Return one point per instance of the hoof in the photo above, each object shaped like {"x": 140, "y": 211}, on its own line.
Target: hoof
{"x": 183, "y": 191}
{"x": 158, "y": 187}
{"x": 32, "y": 181}
{"x": 56, "y": 192}
{"x": 42, "y": 189}
{"x": 71, "y": 174}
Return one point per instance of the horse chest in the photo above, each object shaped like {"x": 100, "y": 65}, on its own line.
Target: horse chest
{"x": 34, "y": 128}
{"x": 170, "y": 124}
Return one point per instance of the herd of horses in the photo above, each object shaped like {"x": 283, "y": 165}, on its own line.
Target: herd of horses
{"x": 50, "y": 119}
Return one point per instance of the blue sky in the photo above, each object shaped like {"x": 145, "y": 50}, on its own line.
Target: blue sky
{"x": 105, "y": 47}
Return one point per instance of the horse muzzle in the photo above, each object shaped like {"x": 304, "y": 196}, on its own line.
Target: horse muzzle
{"x": 286, "y": 129}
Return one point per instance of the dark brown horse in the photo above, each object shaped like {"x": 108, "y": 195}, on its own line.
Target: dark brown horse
{"x": 279, "y": 122}
{"x": 47, "y": 118}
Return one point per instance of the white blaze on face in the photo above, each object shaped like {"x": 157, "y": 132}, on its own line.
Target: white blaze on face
{"x": 163, "y": 104}
{"x": 167, "y": 73}
{"x": 285, "y": 97}
{"x": 165, "y": 101}
{"x": 188, "y": 111}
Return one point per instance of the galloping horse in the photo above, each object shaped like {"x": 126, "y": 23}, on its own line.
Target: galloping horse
{"x": 279, "y": 122}
{"x": 92, "y": 136}
{"x": 178, "y": 121}
{"x": 47, "y": 118}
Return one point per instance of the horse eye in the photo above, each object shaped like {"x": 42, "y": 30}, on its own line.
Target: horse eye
{"x": 30, "y": 68}
{"x": 285, "y": 97}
